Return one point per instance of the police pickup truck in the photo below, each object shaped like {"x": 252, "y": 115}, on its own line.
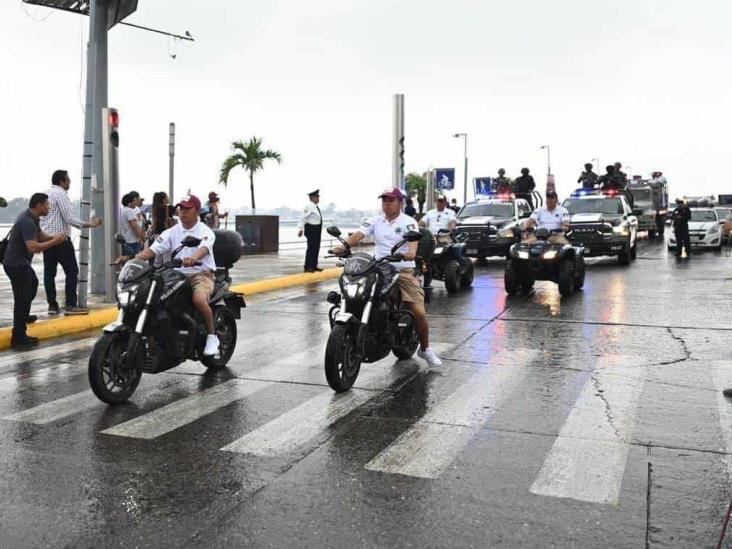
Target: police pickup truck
{"x": 602, "y": 222}
{"x": 491, "y": 224}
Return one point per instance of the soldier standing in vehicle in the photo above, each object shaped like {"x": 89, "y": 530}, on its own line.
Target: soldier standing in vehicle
{"x": 524, "y": 186}
{"x": 680, "y": 222}
{"x": 588, "y": 178}
{"x": 502, "y": 183}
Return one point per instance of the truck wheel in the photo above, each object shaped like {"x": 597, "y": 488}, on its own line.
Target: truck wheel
{"x": 624, "y": 255}
{"x": 452, "y": 277}
{"x": 566, "y": 277}
{"x": 511, "y": 279}
{"x": 466, "y": 279}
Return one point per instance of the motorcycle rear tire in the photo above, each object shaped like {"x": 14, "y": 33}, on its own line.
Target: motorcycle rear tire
{"x": 225, "y": 325}
{"x": 342, "y": 363}
{"x": 112, "y": 346}
{"x": 452, "y": 277}
{"x": 405, "y": 353}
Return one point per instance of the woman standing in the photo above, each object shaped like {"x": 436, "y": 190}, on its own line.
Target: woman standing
{"x": 161, "y": 218}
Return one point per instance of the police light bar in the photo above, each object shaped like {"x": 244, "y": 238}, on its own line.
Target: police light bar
{"x": 582, "y": 192}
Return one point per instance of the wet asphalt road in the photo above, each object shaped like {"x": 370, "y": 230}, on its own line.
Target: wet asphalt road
{"x": 553, "y": 423}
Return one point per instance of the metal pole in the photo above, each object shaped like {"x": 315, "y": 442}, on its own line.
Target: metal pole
{"x": 397, "y": 174}
{"x": 98, "y": 266}
{"x": 86, "y": 168}
{"x": 430, "y": 190}
{"x": 598, "y": 164}
{"x": 465, "y": 175}
{"x": 171, "y": 166}
{"x": 548, "y": 160}
{"x": 110, "y": 170}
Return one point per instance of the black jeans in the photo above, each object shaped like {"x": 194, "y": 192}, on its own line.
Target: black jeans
{"x": 312, "y": 233}
{"x": 62, "y": 254}
{"x": 25, "y": 285}
{"x": 682, "y": 239}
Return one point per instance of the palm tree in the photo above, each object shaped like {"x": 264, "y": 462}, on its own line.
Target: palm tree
{"x": 417, "y": 184}
{"x": 249, "y": 156}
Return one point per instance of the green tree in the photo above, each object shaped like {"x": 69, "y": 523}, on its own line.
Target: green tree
{"x": 417, "y": 184}
{"x": 249, "y": 156}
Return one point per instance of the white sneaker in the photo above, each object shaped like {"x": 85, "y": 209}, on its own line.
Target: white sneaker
{"x": 429, "y": 355}
{"x": 212, "y": 345}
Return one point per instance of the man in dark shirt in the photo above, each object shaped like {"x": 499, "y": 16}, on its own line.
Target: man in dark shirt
{"x": 680, "y": 221}
{"x": 25, "y": 239}
{"x": 588, "y": 178}
{"x": 524, "y": 186}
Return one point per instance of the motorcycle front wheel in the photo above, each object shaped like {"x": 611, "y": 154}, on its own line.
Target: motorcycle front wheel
{"x": 112, "y": 380}
{"x": 342, "y": 362}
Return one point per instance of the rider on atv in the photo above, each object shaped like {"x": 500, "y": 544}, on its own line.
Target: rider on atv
{"x": 551, "y": 217}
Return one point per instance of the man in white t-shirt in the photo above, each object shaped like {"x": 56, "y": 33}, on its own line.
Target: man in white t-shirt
{"x": 201, "y": 277}
{"x": 130, "y": 226}
{"x": 553, "y": 217}
{"x": 440, "y": 218}
{"x": 388, "y": 230}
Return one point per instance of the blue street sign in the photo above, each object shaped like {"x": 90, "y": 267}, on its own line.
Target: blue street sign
{"x": 445, "y": 179}
{"x": 482, "y": 186}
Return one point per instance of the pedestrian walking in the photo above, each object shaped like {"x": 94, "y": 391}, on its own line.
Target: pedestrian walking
{"x": 213, "y": 216}
{"x": 59, "y": 221}
{"x": 25, "y": 239}
{"x": 311, "y": 225}
{"x": 131, "y": 226}
{"x": 680, "y": 222}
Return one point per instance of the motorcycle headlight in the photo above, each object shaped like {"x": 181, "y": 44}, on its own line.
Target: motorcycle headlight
{"x": 353, "y": 289}
{"x": 551, "y": 254}
{"x": 126, "y": 296}
{"x": 621, "y": 230}
{"x": 506, "y": 233}
{"x": 522, "y": 254}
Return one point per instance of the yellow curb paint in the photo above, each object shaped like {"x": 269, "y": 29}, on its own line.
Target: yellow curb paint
{"x": 99, "y": 317}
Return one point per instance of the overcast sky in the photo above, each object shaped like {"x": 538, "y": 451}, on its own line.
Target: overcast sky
{"x": 645, "y": 82}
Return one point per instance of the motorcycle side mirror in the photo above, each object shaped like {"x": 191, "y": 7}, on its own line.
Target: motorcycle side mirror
{"x": 191, "y": 242}
{"x": 413, "y": 236}
{"x": 333, "y": 231}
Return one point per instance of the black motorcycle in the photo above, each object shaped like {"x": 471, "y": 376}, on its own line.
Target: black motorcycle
{"x": 544, "y": 260}
{"x": 445, "y": 261}
{"x": 158, "y": 328}
{"x": 367, "y": 319}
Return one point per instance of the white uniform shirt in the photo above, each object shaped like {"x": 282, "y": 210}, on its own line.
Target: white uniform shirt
{"x": 387, "y": 234}
{"x": 128, "y": 215}
{"x": 550, "y": 220}
{"x": 171, "y": 238}
{"x": 310, "y": 216}
{"x": 435, "y": 220}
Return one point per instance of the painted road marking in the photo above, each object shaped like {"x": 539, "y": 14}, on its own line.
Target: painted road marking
{"x": 187, "y": 410}
{"x": 58, "y": 409}
{"x": 430, "y": 445}
{"x": 294, "y": 429}
{"x": 588, "y": 458}
{"x": 10, "y": 361}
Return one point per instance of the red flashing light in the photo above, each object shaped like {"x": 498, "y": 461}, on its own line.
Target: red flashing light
{"x": 506, "y": 196}
{"x": 114, "y": 119}
{"x": 611, "y": 192}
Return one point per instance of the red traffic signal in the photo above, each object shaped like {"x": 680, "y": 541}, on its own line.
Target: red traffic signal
{"x": 114, "y": 119}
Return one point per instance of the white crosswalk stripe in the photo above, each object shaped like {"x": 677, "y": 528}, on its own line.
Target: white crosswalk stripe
{"x": 9, "y": 361}
{"x": 429, "y": 446}
{"x": 588, "y": 458}
{"x": 187, "y": 410}
{"x": 294, "y": 429}
{"x": 58, "y": 409}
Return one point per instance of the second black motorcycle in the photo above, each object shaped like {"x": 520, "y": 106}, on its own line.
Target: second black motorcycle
{"x": 367, "y": 318}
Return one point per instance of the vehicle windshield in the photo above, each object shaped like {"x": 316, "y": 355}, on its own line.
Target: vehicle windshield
{"x": 703, "y": 215}
{"x": 610, "y": 206}
{"x": 495, "y": 209}
{"x": 641, "y": 195}
{"x": 723, "y": 213}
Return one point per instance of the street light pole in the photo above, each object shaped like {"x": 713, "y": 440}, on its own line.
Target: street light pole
{"x": 597, "y": 161}
{"x": 465, "y": 173}
{"x": 548, "y": 159}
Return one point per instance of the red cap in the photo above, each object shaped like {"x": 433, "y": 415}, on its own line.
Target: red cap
{"x": 392, "y": 193}
{"x": 190, "y": 201}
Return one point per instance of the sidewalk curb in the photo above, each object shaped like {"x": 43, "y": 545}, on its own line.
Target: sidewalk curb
{"x": 97, "y": 318}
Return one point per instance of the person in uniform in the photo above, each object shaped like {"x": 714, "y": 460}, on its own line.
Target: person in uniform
{"x": 502, "y": 183}
{"x": 588, "y": 178}
{"x": 680, "y": 221}
{"x": 440, "y": 218}
{"x": 311, "y": 225}
{"x": 524, "y": 186}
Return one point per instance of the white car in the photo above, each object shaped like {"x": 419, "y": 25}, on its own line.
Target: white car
{"x": 704, "y": 230}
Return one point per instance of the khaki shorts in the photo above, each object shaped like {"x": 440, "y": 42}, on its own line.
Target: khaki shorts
{"x": 553, "y": 239}
{"x": 202, "y": 283}
{"x": 412, "y": 292}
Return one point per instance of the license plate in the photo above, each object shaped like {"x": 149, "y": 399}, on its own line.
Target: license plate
{"x": 471, "y": 251}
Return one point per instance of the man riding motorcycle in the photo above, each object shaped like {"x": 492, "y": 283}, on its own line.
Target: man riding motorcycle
{"x": 552, "y": 217}
{"x": 588, "y": 178}
{"x": 441, "y": 217}
{"x": 387, "y": 230}
{"x": 201, "y": 278}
